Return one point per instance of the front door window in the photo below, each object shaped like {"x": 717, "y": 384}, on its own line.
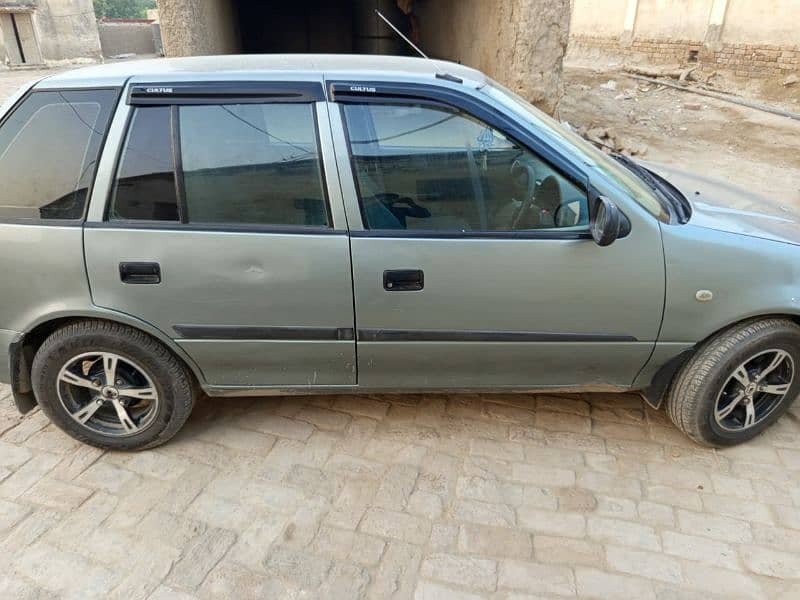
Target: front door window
{"x": 423, "y": 167}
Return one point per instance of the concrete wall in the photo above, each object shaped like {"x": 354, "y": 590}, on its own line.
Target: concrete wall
{"x": 598, "y": 17}
{"x": 762, "y": 21}
{"x": 125, "y": 38}
{"x": 677, "y": 19}
{"x": 750, "y": 38}
{"x": 521, "y": 43}
{"x": 198, "y": 27}
{"x": 67, "y": 30}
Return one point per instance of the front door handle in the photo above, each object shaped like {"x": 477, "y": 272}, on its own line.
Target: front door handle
{"x": 403, "y": 280}
{"x": 141, "y": 273}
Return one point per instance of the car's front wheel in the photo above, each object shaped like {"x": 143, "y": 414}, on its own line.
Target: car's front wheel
{"x": 738, "y": 383}
{"x": 112, "y": 386}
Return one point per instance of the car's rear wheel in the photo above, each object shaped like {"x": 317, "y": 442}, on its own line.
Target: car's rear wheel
{"x": 112, "y": 386}
{"x": 738, "y": 383}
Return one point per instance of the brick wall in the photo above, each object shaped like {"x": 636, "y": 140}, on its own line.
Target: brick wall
{"x": 744, "y": 60}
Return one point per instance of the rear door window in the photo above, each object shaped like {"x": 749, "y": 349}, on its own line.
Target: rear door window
{"x": 49, "y": 148}
{"x": 241, "y": 164}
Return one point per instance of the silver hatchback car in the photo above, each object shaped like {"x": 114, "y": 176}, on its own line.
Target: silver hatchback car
{"x": 252, "y": 225}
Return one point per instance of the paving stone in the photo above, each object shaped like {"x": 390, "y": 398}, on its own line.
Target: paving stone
{"x": 610, "y": 484}
{"x": 653, "y": 513}
{"x": 425, "y": 504}
{"x": 650, "y": 565}
{"x": 544, "y": 476}
{"x": 27, "y": 475}
{"x": 363, "y": 406}
{"x": 344, "y": 581}
{"x": 349, "y": 508}
{"x": 746, "y": 510}
{"x": 471, "y": 572}
{"x": 551, "y": 523}
{"x": 562, "y": 422}
{"x": 396, "y": 487}
{"x": 714, "y": 526}
{"x": 11, "y": 513}
{"x": 494, "y": 541}
{"x": 483, "y": 513}
{"x": 714, "y": 580}
{"x": 164, "y": 592}
{"x": 56, "y": 494}
{"x": 624, "y": 533}
{"x": 278, "y": 426}
{"x": 254, "y": 542}
{"x": 12, "y": 455}
{"x": 396, "y": 576}
{"x": 395, "y": 525}
{"x": 770, "y": 562}
{"x": 201, "y": 556}
{"x": 489, "y": 490}
{"x": 509, "y": 451}
{"x": 105, "y": 476}
{"x": 536, "y": 578}
{"x": 428, "y": 590}
{"x": 229, "y": 580}
{"x": 443, "y": 537}
{"x": 594, "y": 583}
{"x": 64, "y": 572}
{"x": 568, "y": 551}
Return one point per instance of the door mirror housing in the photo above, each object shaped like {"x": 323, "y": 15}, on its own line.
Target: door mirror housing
{"x": 607, "y": 221}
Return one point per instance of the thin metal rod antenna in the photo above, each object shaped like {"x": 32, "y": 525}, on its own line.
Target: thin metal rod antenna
{"x": 400, "y": 33}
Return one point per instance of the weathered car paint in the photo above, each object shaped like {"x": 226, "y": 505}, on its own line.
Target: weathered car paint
{"x": 721, "y": 206}
{"x": 617, "y": 290}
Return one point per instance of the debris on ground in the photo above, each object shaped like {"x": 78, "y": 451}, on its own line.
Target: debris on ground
{"x": 672, "y": 71}
{"x": 692, "y": 106}
{"x": 610, "y": 141}
{"x": 124, "y": 56}
{"x": 609, "y": 85}
{"x": 723, "y": 140}
{"x": 791, "y": 80}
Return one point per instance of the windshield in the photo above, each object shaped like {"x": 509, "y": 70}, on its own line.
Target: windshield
{"x": 574, "y": 144}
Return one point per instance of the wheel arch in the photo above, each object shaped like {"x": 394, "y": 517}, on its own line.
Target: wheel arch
{"x": 656, "y": 389}
{"x": 24, "y": 348}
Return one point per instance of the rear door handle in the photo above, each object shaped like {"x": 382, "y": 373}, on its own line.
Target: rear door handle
{"x": 403, "y": 280}
{"x": 141, "y": 273}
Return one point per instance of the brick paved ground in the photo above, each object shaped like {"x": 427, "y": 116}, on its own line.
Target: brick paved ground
{"x": 470, "y": 496}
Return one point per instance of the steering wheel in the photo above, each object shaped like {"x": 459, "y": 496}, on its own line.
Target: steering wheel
{"x": 546, "y": 198}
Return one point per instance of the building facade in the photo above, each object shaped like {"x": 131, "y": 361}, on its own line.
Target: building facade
{"x": 40, "y": 32}
{"x": 519, "y": 42}
{"x": 746, "y": 37}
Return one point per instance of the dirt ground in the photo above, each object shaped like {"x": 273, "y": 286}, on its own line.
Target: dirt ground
{"x": 750, "y": 148}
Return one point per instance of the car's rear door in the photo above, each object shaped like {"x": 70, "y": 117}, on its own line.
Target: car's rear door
{"x": 460, "y": 280}
{"x": 220, "y": 227}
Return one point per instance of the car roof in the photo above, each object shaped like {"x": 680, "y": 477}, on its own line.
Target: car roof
{"x": 286, "y": 67}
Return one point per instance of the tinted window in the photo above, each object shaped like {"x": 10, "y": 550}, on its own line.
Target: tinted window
{"x": 49, "y": 148}
{"x": 145, "y": 186}
{"x": 239, "y": 164}
{"x": 252, "y": 163}
{"x": 422, "y": 167}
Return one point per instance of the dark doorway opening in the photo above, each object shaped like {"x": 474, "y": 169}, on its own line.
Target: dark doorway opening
{"x": 319, "y": 26}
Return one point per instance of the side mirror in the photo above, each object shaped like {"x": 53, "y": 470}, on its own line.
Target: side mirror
{"x": 606, "y": 221}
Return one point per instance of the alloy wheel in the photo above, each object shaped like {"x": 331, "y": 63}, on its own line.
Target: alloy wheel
{"x": 108, "y": 394}
{"x": 756, "y": 387}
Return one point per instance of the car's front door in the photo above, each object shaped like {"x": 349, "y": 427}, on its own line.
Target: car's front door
{"x": 473, "y": 266}
{"x": 222, "y": 230}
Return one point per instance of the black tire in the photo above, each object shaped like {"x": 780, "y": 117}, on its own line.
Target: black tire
{"x": 173, "y": 381}
{"x": 693, "y": 394}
